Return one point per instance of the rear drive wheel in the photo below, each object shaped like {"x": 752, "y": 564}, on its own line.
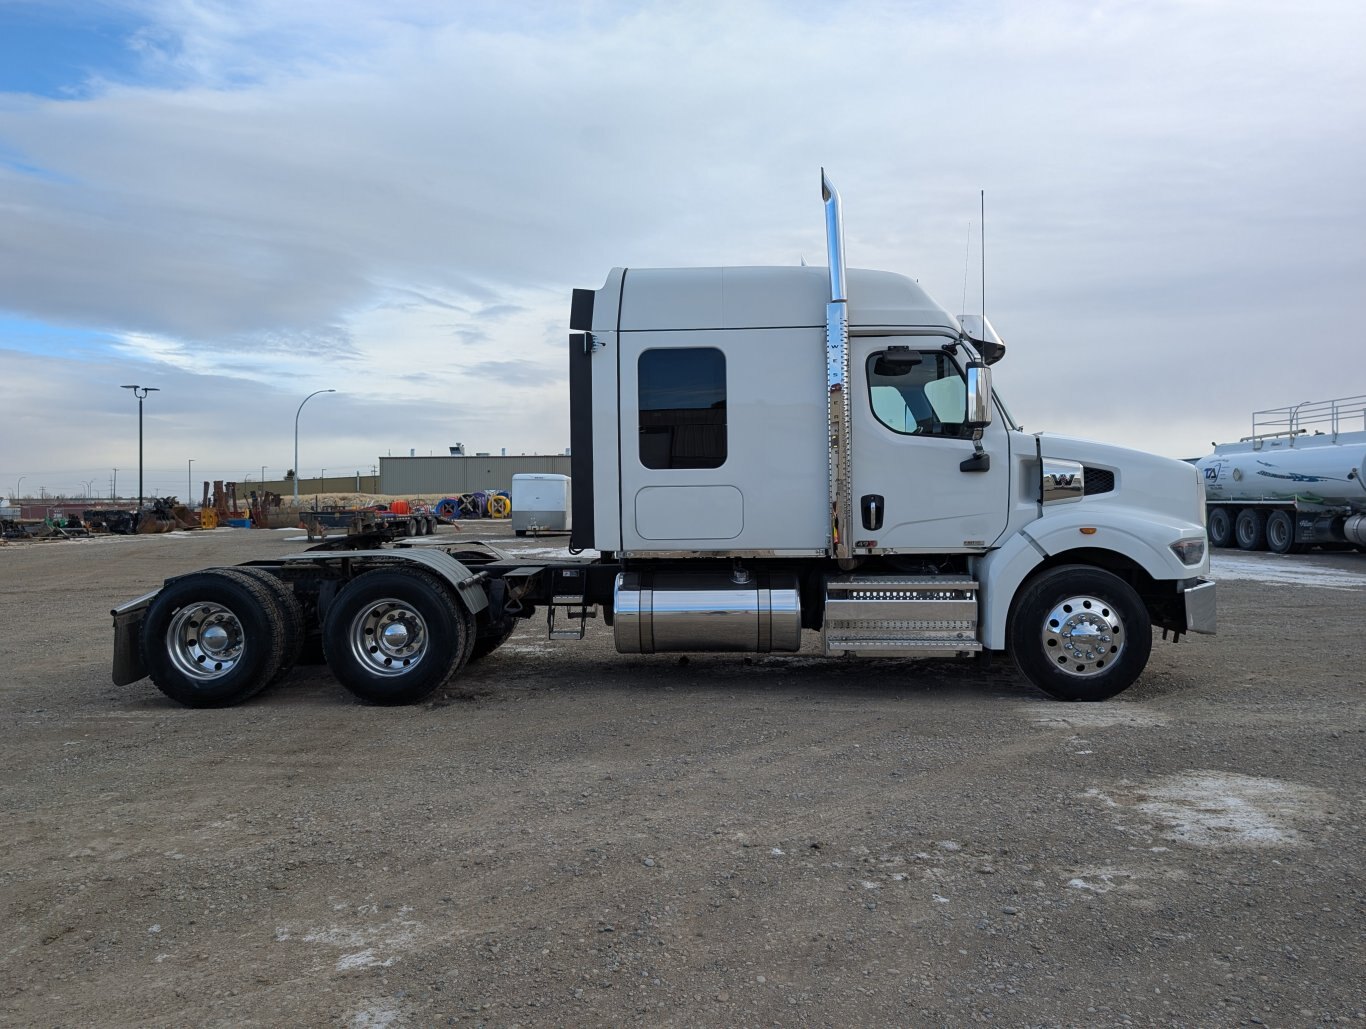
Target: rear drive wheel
{"x": 394, "y": 637}
{"x": 291, "y": 618}
{"x": 1280, "y": 532}
{"x": 1080, "y": 633}
{"x": 487, "y": 642}
{"x": 1220, "y": 527}
{"x": 213, "y": 638}
{"x": 1250, "y": 528}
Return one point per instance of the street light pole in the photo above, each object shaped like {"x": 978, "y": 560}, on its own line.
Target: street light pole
{"x": 189, "y": 484}
{"x": 141, "y": 393}
{"x": 296, "y": 437}
{"x": 16, "y": 487}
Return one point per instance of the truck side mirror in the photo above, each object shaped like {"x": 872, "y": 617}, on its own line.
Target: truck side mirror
{"x": 979, "y": 395}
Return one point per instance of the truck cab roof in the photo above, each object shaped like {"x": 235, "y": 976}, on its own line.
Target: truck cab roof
{"x": 758, "y": 297}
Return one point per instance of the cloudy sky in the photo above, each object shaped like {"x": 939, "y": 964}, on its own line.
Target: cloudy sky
{"x": 242, "y": 202}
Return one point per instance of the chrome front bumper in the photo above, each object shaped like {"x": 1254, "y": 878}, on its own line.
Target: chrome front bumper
{"x": 1200, "y": 606}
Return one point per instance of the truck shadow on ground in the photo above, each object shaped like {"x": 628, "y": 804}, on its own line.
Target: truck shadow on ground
{"x": 713, "y": 676}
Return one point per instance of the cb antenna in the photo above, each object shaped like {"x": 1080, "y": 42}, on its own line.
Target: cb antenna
{"x": 967, "y": 267}
{"x": 982, "y": 227}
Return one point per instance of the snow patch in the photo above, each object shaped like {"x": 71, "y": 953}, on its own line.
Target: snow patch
{"x": 1225, "y": 809}
{"x": 1094, "y": 716}
{"x": 553, "y": 553}
{"x": 374, "y": 1017}
{"x": 360, "y": 947}
{"x": 1284, "y": 570}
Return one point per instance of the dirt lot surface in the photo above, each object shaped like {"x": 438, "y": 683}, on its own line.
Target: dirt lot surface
{"x": 575, "y": 837}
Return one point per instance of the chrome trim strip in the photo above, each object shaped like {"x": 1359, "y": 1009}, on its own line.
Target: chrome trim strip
{"x": 901, "y": 330}
{"x": 837, "y": 377}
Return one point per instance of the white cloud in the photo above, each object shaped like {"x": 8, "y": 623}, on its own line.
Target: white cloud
{"x": 394, "y": 200}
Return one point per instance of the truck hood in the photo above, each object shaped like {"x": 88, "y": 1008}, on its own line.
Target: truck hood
{"x": 1165, "y": 486}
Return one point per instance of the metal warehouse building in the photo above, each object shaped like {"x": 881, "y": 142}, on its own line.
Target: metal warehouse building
{"x": 427, "y": 476}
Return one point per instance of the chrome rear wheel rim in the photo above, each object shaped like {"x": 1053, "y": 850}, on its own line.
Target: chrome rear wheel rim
{"x": 388, "y": 637}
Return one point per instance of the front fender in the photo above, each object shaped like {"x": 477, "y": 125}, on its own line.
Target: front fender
{"x": 1139, "y": 538}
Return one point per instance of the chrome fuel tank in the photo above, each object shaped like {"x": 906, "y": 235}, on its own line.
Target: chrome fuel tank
{"x": 658, "y": 612}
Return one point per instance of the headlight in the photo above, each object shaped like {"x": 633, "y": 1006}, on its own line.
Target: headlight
{"x": 1189, "y": 552}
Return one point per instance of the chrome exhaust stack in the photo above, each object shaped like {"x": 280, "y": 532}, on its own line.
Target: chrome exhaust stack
{"x": 837, "y": 377}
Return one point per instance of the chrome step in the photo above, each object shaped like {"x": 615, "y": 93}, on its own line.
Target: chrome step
{"x": 900, "y": 615}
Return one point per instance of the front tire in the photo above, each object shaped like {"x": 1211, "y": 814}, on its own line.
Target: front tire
{"x": 1080, "y": 633}
{"x": 213, "y": 638}
{"x": 1220, "y": 527}
{"x": 394, "y": 637}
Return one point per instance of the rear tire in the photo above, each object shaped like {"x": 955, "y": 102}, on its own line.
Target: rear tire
{"x": 213, "y": 638}
{"x": 486, "y": 643}
{"x": 1280, "y": 533}
{"x": 1080, "y": 633}
{"x": 291, "y": 618}
{"x": 1250, "y": 528}
{"x": 1220, "y": 527}
{"x": 394, "y": 637}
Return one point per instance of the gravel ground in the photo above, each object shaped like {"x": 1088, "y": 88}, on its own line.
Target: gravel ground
{"x": 576, "y": 837}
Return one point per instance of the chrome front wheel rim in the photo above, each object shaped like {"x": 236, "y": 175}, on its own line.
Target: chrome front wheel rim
{"x": 1083, "y": 636}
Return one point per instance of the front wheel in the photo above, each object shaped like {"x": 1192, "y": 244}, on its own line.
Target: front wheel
{"x": 394, "y": 637}
{"x": 1080, "y": 633}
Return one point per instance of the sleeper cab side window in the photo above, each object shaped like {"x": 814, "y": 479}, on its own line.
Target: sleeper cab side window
{"x": 682, "y": 407}
{"x": 917, "y": 392}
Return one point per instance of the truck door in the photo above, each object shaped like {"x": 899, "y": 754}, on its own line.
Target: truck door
{"x": 911, "y": 492}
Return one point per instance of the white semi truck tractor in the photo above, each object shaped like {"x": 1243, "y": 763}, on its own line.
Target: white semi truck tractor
{"x": 758, "y": 454}
{"x": 1295, "y": 483}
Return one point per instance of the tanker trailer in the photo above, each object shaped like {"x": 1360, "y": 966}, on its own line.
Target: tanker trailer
{"x": 1295, "y": 483}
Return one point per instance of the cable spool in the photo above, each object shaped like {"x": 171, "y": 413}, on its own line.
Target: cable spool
{"x": 499, "y": 506}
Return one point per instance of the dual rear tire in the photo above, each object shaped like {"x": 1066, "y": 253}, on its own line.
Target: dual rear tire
{"x": 218, "y": 637}
{"x": 396, "y": 636}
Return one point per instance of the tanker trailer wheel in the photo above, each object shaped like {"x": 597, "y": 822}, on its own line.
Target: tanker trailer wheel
{"x": 1250, "y": 528}
{"x": 213, "y": 638}
{"x": 1220, "y": 527}
{"x": 1280, "y": 533}
{"x": 1080, "y": 633}
{"x": 394, "y": 637}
